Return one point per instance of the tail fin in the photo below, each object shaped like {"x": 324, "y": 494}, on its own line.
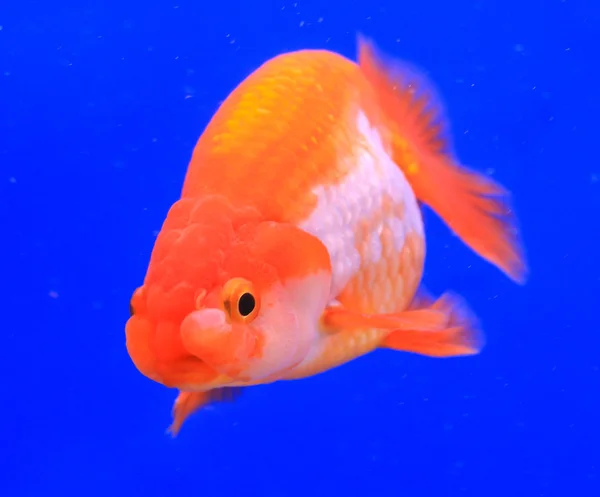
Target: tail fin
{"x": 476, "y": 208}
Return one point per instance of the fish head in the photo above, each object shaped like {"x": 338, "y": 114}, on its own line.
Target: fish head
{"x": 229, "y": 298}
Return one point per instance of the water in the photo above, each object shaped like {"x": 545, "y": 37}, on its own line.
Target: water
{"x": 101, "y": 104}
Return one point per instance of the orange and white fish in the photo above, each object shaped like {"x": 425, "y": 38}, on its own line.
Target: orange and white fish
{"x": 298, "y": 242}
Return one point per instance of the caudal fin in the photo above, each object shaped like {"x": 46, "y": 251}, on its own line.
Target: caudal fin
{"x": 476, "y": 208}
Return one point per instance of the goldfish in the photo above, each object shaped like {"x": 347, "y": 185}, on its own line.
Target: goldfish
{"x": 298, "y": 244}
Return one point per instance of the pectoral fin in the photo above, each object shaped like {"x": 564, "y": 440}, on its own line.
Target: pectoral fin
{"x": 444, "y": 328}
{"x": 340, "y": 319}
{"x": 189, "y": 402}
{"x": 460, "y": 335}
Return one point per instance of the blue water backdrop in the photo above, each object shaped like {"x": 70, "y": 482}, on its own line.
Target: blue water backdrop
{"x": 101, "y": 104}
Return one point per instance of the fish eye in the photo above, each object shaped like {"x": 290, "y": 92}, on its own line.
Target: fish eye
{"x": 240, "y": 300}
{"x": 246, "y": 304}
{"x": 134, "y": 302}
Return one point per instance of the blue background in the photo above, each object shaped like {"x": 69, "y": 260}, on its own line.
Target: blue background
{"x": 100, "y": 107}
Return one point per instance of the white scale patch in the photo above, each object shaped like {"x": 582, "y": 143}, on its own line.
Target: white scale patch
{"x": 341, "y": 208}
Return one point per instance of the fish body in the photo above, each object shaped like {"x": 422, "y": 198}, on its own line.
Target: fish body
{"x": 298, "y": 242}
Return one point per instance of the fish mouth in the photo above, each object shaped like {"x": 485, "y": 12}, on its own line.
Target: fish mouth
{"x": 207, "y": 335}
{"x": 157, "y": 352}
